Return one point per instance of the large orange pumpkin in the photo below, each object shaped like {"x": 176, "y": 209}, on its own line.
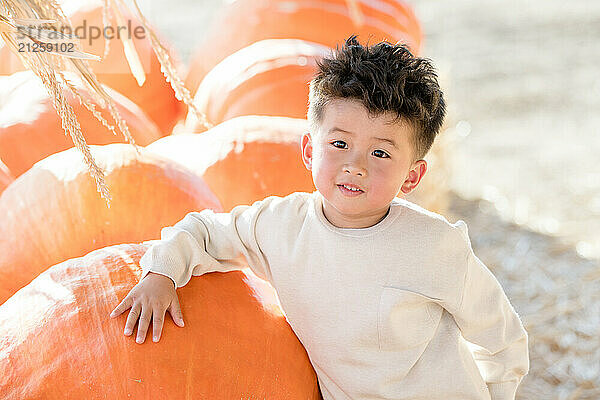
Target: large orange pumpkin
{"x": 53, "y": 212}
{"x": 244, "y": 159}
{"x": 58, "y": 342}
{"x": 270, "y": 77}
{"x": 155, "y": 96}
{"x": 327, "y": 22}
{"x": 30, "y": 128}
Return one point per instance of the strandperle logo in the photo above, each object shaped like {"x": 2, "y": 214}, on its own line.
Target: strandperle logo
{"x": 84, "y": 32}
{"x": 87, "y": 41}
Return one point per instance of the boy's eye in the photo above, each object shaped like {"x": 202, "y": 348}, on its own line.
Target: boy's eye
{"x": 383, "y": 154}
{"x": 338, "y": 141}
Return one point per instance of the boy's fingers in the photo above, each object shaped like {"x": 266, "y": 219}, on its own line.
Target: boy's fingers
{"x": 123, "y": 305}
{"x": 132, "y": 318}
{"x": 158, "y": 318}
{"x": 143, "y": 324}
{"x": 175, "y": 311}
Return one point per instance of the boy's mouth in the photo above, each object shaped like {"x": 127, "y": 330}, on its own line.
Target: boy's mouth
{"x": 350, "y": 189}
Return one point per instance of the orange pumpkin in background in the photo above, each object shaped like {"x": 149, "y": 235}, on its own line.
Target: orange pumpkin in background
{"x": 5, "y": 177}
{"x": 31, "y": 130}
{"x": 155, "y": 96}
{"x": 53, "y": 212}
{"x": 58, "y": 340}
{"x": 244, "y": 159}
{"x": 270, "y": 77}
{"x": 328, "y": 22}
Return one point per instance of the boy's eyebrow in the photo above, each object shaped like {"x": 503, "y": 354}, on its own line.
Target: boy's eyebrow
{"x": 390, "y": 141}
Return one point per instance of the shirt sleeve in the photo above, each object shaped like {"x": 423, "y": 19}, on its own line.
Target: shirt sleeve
{"x": 206, "y": 241}
{"x": 487, "y": 319}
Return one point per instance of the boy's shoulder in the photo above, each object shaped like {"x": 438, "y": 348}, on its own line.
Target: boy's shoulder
{"x": 425, "y": 221}
{"x": 433, "y": 241}
{"x": 293, "y": 203}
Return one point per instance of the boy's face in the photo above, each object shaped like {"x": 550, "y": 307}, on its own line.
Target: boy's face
{"x": 346, "y": 150}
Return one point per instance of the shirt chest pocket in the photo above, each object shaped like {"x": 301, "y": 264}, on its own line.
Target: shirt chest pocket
{"x": 405, "y": 319}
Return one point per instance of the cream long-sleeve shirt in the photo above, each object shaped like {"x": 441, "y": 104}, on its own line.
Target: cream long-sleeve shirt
{"x": 384, "y": 312}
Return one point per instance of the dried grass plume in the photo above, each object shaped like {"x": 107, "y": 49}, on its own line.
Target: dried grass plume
{"x": 37, "y": 23}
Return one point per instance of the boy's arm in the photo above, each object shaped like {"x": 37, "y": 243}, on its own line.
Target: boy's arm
{"x": 206, "y": 241}
{"x": 486, "y": 318}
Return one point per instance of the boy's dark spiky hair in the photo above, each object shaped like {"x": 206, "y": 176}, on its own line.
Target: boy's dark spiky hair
{"x": 385, "y": 78}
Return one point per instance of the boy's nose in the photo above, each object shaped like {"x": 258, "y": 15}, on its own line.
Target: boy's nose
{"x": 355, "y": 169}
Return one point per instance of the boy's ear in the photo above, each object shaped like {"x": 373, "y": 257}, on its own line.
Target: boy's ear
{"x": 415, "y": 174}
{"x": 306, "y": 146}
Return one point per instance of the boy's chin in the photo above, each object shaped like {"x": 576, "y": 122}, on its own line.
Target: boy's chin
{"x": 347, "y": 209}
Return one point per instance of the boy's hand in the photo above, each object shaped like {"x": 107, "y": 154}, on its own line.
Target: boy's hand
{"x": 151, "y": 297}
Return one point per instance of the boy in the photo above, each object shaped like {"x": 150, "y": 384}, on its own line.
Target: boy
{"x": 381, "y": 292}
